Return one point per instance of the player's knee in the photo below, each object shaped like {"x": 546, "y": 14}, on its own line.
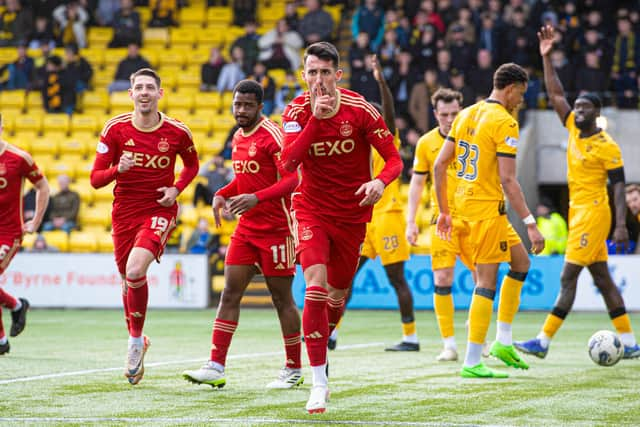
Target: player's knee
{"x": 230, "y": 297}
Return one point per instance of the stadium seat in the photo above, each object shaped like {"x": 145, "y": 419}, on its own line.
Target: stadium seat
{"x": 188, "y": 214}
{"x": 199, "y": 123}
{"x": 231, "y": 34}
{"x": 58, "y": 239}
{"x": 178, "y": 113}
{"x": 212, "y": 146}
{"x": 83, "y": 169}
{"x": 34, "y": 101}
{"x": 104, "y": 240}
{"x": 226, "y": 99}
{"x": 151, "y": 54}
{"x": 28, "y": 122}
{"x": 113, "y": 56}
{"x": 98, "y": 215}
{"x": 22, "y": 142}
{"x": 85, "y": 191}
{"x": 222, "y": 123}
{"x": 14, "y": 99}
{"x": 8, "y": 55}
{"x": 192, "y": 17}
{"x": 211, "y": 37}
{"x": 58, "y": 123}
{"x": 183, "y": 38}
{"x": 82, "y": 241}
{"x": 63, "y": 166}
{"x": 145, "y": 15}
{"x": 104, "y": 194}
{"x": 197, "y": 57}
{"x": 172, "y": 58}
{"x": 99, "y": 37}
{"x": 27, "y": 240}
{"x": 180, "y": 99}
{"x": 85, "y": 123}
{"x": 189, "y": 79}
{"x": 220, "y": 15}
{"x": 120, "y": 101}
{"x": 95, "y": 102}
{"x": 155, "y": 38}
{"x": 95, "y": 56}
{"x": 8, "y": 118}
{"x": 207, "y": 103}
{"x": 43, "y": 145}
{"x": 75, "y": 145}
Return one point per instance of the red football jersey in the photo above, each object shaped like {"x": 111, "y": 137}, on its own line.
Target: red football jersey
{"x": 257, "y": 166}
{"x": 154, "y": 151}
{"x": 15, "y": 166}
{"x": 338, "y": 160}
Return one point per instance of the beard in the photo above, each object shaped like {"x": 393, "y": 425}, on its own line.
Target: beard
{"x": 585, "y": 124}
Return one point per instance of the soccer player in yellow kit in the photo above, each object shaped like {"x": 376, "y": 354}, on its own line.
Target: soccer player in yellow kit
{"x": 592, "y": 158}
{"x": 385, "y": 232}
{"x": 483, "y": 142}
{"x": 447, "y": 104}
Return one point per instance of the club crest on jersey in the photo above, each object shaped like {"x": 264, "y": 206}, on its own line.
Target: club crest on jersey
{"x": 163, "y": 145}
{"x": 511, "y": 142}
{"x": 346, "y": 129}
{"x": 253, "y": 150}
{"x": 3, "y": 169}
{"x": 102, "y": 148}
{"x": 291, "y": 127}
{"x": 306, "y": 234}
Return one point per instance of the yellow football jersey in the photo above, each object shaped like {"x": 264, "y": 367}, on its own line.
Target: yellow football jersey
{"x": 482, "y": 133}
{"x": 390, "y": 200}
{"x": 427, "y": 150}
{"x": 588, "y": 160}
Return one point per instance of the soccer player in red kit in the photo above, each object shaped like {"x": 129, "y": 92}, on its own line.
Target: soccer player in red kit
{"x": 138, "y": 150}
{"x": 329, "y": 132}
{"x": 15, "y": 166}
{"x": 263, "y": 240}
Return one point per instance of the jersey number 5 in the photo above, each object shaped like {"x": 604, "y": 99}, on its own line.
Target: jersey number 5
{"x": 468, "y": 159}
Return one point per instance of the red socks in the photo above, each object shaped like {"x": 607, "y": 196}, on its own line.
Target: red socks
{"x": 292, "y": 348}
{"x": 315, "y": 323}
{"x": 137, "y": 300}
{"x": 221, "y": 339}
{"x": 335, "y": 309}
{"x": 6, "y": 300}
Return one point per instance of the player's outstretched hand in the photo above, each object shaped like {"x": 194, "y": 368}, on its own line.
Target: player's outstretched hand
{"x": 444, "y": 226}
{"x": 29, "y": 227}
{"x": 241, "y": 203}
{"x": 412, "y": 234}
{"x": 372, "y": 191}
{"x": 621, "y": 238}
{"x": 545, "y": 35}
{"x": 218, "y": 203}
{"x": 169, "y": 195}
{"x": 126, "y": 162}
{"x": 377, "y": 68}
{"x": 537, "y": 240}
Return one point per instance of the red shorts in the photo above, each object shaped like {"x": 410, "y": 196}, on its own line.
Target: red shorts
{"x": 8, "y": 249}
{"x": 273, "y": 253}
{"x": 334, "y": 244}
{"x": 150, "y": 231}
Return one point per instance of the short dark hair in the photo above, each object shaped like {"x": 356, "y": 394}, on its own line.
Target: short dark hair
{"x": 145, "y": 72}
{"x": 631, "y": 188}
{"x": 325, "y": 51}
{"x": 72, "y": 47}
{"x": 509, "y": 73}
{"x": 446, "y": 95}
{"x": 593, "y": 98}
{"x": 250, "y": 86}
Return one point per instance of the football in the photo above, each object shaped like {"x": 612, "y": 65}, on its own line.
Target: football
{"x": 605, "y": 348}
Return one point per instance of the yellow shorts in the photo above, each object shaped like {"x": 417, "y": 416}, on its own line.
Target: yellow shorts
{"x": 588, "y": 230}
{"x": 385, "y": 238}
{"x": 444, "y": 252}
{"x": 492, "y": 239}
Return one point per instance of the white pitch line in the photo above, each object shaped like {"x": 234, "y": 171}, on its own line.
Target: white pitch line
{"x": 170, "y": 362}
{"x": 235, "y": 421}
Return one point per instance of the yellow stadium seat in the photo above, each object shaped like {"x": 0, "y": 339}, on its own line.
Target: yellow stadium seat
{"x": 82, "y": 241}
{"x": 120, "y": 101}
{"x": 155, "y": 37}
{"x": 8, "y": 55}
{"x": 83, "y": 171}
{"x": 178, "y": 113}
{"x": 199, "y": 123}
{"x": 55, "y": 123}
{"x": 188, "y": 214}
{"x": 28, "y": 239}
{"x": 61, "y": 167}
{"x": 58, "y": 239}
{"x": 171, "y": 58}
{"x": 226, "y": 99}
{"x": 72, "y": 146}
{"x": 151, "y": 54}
{"x": 8, "y": 118}
{"x": 24, "y": 143}
{"x": 189, "y": 80}
{"x": 34, "y": 100}
{"x": 105, "y": 241}
{"x": 95, "y": 56}
{"x": 222, "y": 123}
{"x": 219, "y": 14}
{"x": 211, "y": 146}
{"x": 84, "y": 123}
{"x": 211, "y": 37}
{"x": 191, "y": 17}
{"x": 197, "y": 57}
{"x": 180, "y": 99}
{"x": 279, "y": 76}
{"x": 207, "y": 103}
{"x": 99, "y": 37}
{"x": 28, "y": 122}
{"x": 95, "y": 101}
{"x": 145, "y": 15}
{"x": 198, "y": 138}
{"x": 104, "y": 194}
{"x": 113, "y": 56}
{"x": 85, "y": 191}
{"x": 14, "y": 99}
{"x": 45, "y": 145}
{"x": 97, "y": 215}
{"x": 183, "y": 38}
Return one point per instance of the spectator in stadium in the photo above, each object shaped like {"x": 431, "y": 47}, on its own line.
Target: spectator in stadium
{"x": 553, "y": 227}
{"x": 566, "y": 72}
{"x": 217, "y": 176}
{"x": 77, "y": 68}
{"x": 465, "y": 56}
{"x": 16, "y": 23}
{"x": 428, "y": 15}
{"x": 249, "y": 44}
{"x": 364, "y": 82}
{"x": 126, "y": 26}
{"x": 232, "y": 72}
{"x": 210, "y": 70}
{"x": 419, "y": 104}
{"x": 393, "y": 22}
{"x": 401, "y": 81}
{"x": 459, "y": 84}
{"x": 287, "y": 92}
{"x": 163, "y": 13}
{"x": 388, "y": 49}
{"x": 65, "y": 205}
{"x": 42, "y": 34}
{"x": 369, "y": 18}
{"x": 40, "y": 245}
{"x": 626, "y": 60}
{"x": 425, "y": 49}
{"x": 40, "y": 63}
{"x": 357, "y": 52}
{"x": 317, "y": 24}
{"x": 488, "y": 35}
{"x": 515, "y": 7}
{"x": 129, "y": 65}
{"x": 280, "y": 47}
{"x": 291, "y": 16}
{"x": 21, "y": 71}
{"x": 106, "y": 12}
{"x": 519, "y": 41}
{"x": 70, "y": 23}
{"x": 592, "y": 78}
{"x": 201, "y": 239}
{"x": 261, "y": 75}
{"x": 481, "y": 76}
{"x": 443, "y": 67}
{"x": 58, "y": 91}
{"x": 467, "y": 26}
{"x": 447, "y": 11}
{"x": 244, "y": 11}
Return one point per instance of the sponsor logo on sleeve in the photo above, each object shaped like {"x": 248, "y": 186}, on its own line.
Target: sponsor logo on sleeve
{"x": 511, "y": 142}
{"x": 291, "y": 127}
{"x": 102, "y": 148}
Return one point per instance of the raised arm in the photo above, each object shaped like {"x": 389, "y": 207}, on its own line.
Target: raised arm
{"x": 555, "y": 92}
{"x": 388, "y": 111}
